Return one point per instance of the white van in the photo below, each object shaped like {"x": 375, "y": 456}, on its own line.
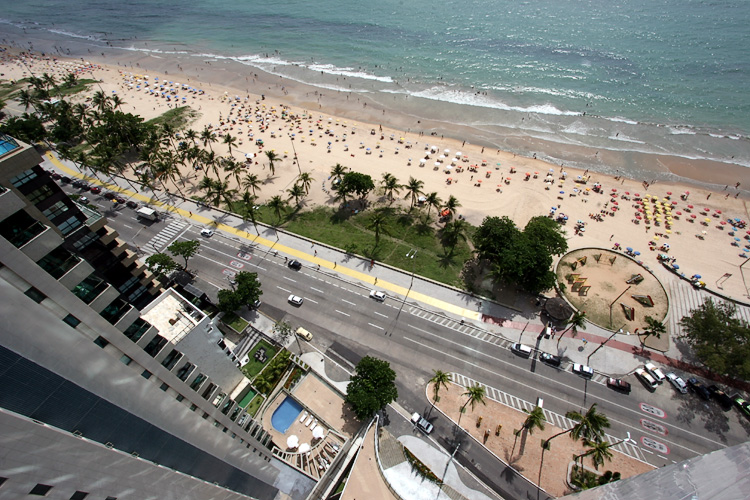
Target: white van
{"x": 304, "y": 334}
{"x": 647, "y": 379}
{"x": 521, "y": 349}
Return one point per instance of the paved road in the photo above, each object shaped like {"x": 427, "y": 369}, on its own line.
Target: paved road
{"x": 417, "y": 338}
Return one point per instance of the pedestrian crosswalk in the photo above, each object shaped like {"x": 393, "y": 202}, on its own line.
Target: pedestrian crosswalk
{"x": 485, "y": 336}
{"x": 164, "y": 237}
{"x": 553, "y": 418}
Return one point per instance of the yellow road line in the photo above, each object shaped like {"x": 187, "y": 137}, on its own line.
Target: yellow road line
{"x": 270, "y": 244}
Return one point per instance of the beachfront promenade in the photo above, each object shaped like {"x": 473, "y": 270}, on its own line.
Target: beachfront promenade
{"x": 516, "y": 319}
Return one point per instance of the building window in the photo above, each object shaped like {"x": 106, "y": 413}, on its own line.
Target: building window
{"x": 40, "y": 490}
{"x": 183, "y": 372}
{"x": 164, "y": 386}
{"x": 20, "y": 228}
{"x": 101, "y": 342}
{"x": 78, "y": 495}
{"x": 58, "y": 262}
{"x": 180, "y": 398}
{"x": 55, "y": 210}
{"x": 72, "y": 320}
{"x": 126, "y": 360}
{"x": 115, "y": 311}
{"x": 193, "y": 407}
{"x": 136, "y": 330}
{"x": 90, "y": 288}
{"x": 171, "y": 360}
{"x": 146, "y": 374}
{"x": 85, "y": 240}
{"x": 35, "y": 295}
{"x": 39, "y": 195}
{"x": 156, "y": 345}
{"x": 69, "y": 225}
{"x": 23, "y": 178}
{"x": 197, "y": 381}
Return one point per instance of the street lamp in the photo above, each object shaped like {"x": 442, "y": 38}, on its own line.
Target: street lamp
{"x": 410, "y": 254}
{"x": 602, "y": 344}
{"x": 613, "y": 302}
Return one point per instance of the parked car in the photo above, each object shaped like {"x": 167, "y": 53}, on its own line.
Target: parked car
{"x": 721, "y": 397}
{"x": 677, "y": 382}
{"x": 646, "y": 379}
{"x": 96, "y": 190}
{"x": 584, "y": 371}
{"x": 55, "y": 176}
{"x": 304, "y": 333}
{"x": 550, "y": 359}
{"x": 655, "y": 372}
{"x": 295, "y": 264}
{"x": 699, "y": 388}
{"x": 742, "y": 405}
{"x": 207, "y": 232}
{"x": 108, "y": 195}
{"x": 84, "y": 187}
{"x": 83, "y": 200}
{"x": 421, "y": 423}
{"x": 377, "y": 295}
{"x": 120, "y": 199}
{"x": 295, "y": 299}
{"x": 132, "y": 204}
{"x": 64, "y": 179}
{"x": 521, "y": 350}
{"x": 618, "y": 385}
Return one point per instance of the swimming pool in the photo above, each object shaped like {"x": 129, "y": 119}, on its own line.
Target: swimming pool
{"x": 285, "y": 414}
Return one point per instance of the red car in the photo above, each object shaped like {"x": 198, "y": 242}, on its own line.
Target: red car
{"x": 96, "y": 190}
{"x": 109, "y": 196}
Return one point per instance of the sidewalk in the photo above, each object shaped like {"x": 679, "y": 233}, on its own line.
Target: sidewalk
{"x": 517, "y": 322}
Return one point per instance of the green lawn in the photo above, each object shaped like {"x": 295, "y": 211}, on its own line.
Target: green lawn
{"x": 237, "y": 323}
{"x": 177, "y": 117}
{"x": 253, "y": 367}
{"x": 254, "y": 405}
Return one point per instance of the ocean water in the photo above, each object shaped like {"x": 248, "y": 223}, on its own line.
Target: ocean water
{"x": 636, "y": 76}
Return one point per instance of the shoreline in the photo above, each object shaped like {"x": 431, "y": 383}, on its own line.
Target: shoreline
{"x": 402, "y": 113}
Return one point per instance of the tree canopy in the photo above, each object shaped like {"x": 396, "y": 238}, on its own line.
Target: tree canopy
{"x": 357, "y": 183}
{"x": 521, "y": 257}
{"x": 720, "y": 340}
{"x": 184, "y": 249}
{"x": 246, "y": 291}
{"x": 371, "y": 387}
{"x": 161, "y": 264}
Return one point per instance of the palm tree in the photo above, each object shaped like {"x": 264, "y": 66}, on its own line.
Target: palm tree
{"x": 535, "y": 419}
{"x": 278, "y": 205}
{"x": 248, "y": 210}
{"x": 305, "y": 180}
{"x": 433, "y": 200}
{"x": 338, "y": 171}
{"x": 440, "y": 378}
{"x": 413, "y": 189}
{"x": 451, "y": 205}
{"x": 272, "y": 157}
{"x": 390, "y": 185}
{"x": 27, "y": 99}
{"x": 232, "y": 167}
{"x": 251, "y": 181}
{"x": 453, "y": 232}
{"x": 100, "y": 101}
{"x": 207, "y": 137}
{"x": 230, "y": 141}
{"x": 191, "y": 135}
{"x": 378, "y": 222}
{"x": 654, "y": 328}
{"x": 208, "y": 185}
{"x": 578, "y": 320}
{"x": 475, "y": 395}
{"x": 598, "y": 451}
{"x": 296, "y": 192}
{"x": 116, "y": 101}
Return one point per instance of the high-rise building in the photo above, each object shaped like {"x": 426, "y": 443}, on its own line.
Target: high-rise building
{"x": 110, "y": 386}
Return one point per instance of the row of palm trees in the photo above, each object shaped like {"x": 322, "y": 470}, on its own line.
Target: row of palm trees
{"x": 589, "y": 427}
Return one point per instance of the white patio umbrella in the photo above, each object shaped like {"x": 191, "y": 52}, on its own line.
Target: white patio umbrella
{"x": 304, "y": 448}
{"x": 318, "y": 432}
{"x": 292, "y": 441}
{"x": 447, "y": 151}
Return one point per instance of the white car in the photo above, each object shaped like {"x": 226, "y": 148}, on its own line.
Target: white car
{"x": 295, "y": 299}
{"x": 584, "y": 371}
{"x": 521, "y": 350}
{"x": 677, "y": 382}
{"x": 377, "y": 295}
{"x": 647, "y": 379}
{"x": 207, "y": 232}
{"x": 655, "y": 372}
{"x": 421, "y": 423}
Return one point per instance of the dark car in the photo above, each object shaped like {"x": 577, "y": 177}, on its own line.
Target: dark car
{"x": 77, "y": 183}
{"x": 721, "y": 397}
{"x": 55, "y": 176}
{"x": 550, "y": 359}
{"x": 295, "y": 264}
{"x": 699, "y": 388}
{"x": 64, "y": 179}
{"x": 109, "y": 196}
{"x": 120, "y": 199}
{"x": 96, "y": 190}
{"x": 84, "y": 187}
{"x": 132, "y": 204}
{"x": 618, "y": 385}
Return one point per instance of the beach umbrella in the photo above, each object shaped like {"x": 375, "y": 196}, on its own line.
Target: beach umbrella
{"x": 723, "y": 223}
{"x": 707, "y": 219}
{"x": 318, "y": 432}
{"x": 717, "y": 211}
{"x": 479, "y": 181}
{"x": 447, "y": 151}
{"x": 458, "y": 154}
{"x": 669, "y": 193}
{"x": 678, "y": 212}
{"x": 292, "y": 441}
{"x": 562, "y": 192}
{"x": 628, "y": 249}
{"x": 690, "y": 206}
{"x": 636, "y": 252}
{"x": 693, "y": 216}
{"x": 304, "y": 448}
{"x": 736, "y": 239}
{"x": 706, "y": 209}
{"x": 675, "y": 266}
{"x": 614, "y": 190}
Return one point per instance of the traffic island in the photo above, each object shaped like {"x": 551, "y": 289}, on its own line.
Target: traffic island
{"x": 522, "y": 450}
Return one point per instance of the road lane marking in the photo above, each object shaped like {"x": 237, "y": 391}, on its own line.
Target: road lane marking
{"x": 376, "y": 326}
{"x": 350, "y": 303}
{"x": 311, "y": 300}
{"x": 381, "y": 314}
{"x": 283, "y": 289}
{"x": 129, "y": 227}
{"x": 340, "y": 312}
{"x": 290, "y": 279}
{"x": 319, "y": 291}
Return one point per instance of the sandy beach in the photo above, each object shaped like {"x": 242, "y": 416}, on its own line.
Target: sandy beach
{"x": 697, "y": 227}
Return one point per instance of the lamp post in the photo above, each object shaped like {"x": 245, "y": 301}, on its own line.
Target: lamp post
{"x": 602, "y": 344}
{"x": 613, "y": 302}
{"x": 410, "y": 254}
